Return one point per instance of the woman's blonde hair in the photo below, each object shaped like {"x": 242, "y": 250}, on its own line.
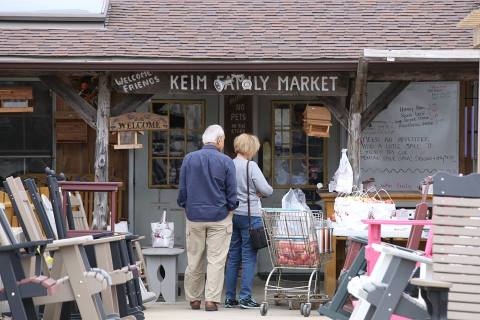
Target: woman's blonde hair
{"x": 246, "y": 144}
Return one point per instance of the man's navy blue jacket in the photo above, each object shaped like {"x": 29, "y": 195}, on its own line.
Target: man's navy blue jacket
{"x": 208, "y": 185}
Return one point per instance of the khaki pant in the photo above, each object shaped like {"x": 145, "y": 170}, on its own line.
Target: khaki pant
{"x": 210, "y": 240}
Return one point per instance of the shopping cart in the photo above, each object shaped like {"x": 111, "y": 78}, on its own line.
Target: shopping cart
{"x": 297, "y": 240}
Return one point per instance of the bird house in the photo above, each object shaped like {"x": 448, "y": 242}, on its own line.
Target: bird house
{"x": 16, "y": 99}
{"x": 128, "y": 126}
{"x": 128, "y": 140}
{"x": 317, "y": 121}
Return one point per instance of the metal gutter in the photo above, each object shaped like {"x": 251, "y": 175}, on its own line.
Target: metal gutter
{"x": 444, "y": 55}
{"x": 133, "y": 64}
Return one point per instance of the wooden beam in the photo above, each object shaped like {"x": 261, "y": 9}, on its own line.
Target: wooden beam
{"x": 466, "y": 75}
{"x": 335, "y": 107}
{"x": 71, "y": 97}
{"x": 101, "y": 152}
{"x": 382, "y": 101}
{"x": 357, "y": 105}
{"x": 130, "y": 103}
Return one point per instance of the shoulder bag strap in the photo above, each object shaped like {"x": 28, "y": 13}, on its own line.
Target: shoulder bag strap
{"x": 248, "y": 198}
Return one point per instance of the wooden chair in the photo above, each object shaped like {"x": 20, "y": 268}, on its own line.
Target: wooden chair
{"x": 78, "y": 211}
{"x": 81, "y": 223}
{"x": 98, "y": 252}
{"x": 353, "y": 267}
{"x": 456, "y": 242}
{"x": 81, "y": 283}
{"x": 19, "y": 289}
{"x": 129, "y": 294}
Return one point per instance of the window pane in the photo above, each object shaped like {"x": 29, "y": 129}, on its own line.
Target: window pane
{"x": 159, "y": 143}
{"x": 37, "y": 165}
{"x": 194, "y": 116}
{"x": 315, "y": 171}
{"x": 299, "y": 143}
{"x": 177, "y": 116}
{"x": 282, "y": 143}
{"x": 282, "y": 171}
{"x": 174, "y": 175}
{"x": 177, "y": 143}
{"x": 11, "y": 133}
{"x": 159, "y": 171}
{"x": 315, "y": 147}
{"x": 282, "y": 117}
{"x": 299, "y": 171}
{"x": 194, "y": 141}
{"x": 297, "y": 120}
{"x": 39, "y": 135}
{"x": 11, "y": 167}
{"x": 160, "y": 108}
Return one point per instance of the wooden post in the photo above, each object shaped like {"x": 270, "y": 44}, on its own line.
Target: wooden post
{"x": 357, "y": 105}
{"x": 101, "y": 152}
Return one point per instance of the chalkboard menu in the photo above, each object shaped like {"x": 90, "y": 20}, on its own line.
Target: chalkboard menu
{"x": 416, "y": 136}
{"x": 238, "y": 119}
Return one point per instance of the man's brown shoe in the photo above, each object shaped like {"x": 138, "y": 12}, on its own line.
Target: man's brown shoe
{"x": 195, "y": 305}
{"x": 211, "y": 306}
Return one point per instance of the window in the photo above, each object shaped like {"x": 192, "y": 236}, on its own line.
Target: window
{"x": 168, "y": 148}
{"x": 26, "y": 138}
{"x": 298, "y": 160}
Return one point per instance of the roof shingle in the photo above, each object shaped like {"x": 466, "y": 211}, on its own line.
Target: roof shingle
{"x": 246, "y": 30}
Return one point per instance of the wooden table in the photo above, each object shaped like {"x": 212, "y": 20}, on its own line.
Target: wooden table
{"x": 334, "y": 266}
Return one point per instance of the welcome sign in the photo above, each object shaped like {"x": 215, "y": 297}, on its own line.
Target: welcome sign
{"x": 273, "y": 83}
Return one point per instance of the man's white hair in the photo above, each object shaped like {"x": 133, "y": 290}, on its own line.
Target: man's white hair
{"x": 212, "y": 134}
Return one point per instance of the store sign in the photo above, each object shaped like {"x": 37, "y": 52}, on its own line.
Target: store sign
{"x": 272, "y": 83}
{"x": 138, "y": 121}
{"x": 238, "y": 119}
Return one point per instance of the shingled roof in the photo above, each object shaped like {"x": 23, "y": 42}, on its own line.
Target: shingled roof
{"x": 251, "y": 30}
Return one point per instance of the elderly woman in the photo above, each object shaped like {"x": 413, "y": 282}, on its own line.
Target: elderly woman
{"x": 241, "y": 251}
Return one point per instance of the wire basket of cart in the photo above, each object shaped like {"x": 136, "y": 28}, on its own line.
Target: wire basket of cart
{"x": 298, "y": 240}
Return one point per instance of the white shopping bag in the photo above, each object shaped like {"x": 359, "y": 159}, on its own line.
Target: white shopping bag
{"x": 350, "y": 211}
{"x": 294, "y": 199}
{"x": 293, "y": 223}
{"x": 162, "y": 233}
{"x": 343, "y": 178}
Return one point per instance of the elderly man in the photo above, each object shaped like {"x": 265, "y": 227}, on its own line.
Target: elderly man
{"x": 208, "y": 192}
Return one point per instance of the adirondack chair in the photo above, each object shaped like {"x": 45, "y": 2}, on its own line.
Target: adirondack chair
{"x": 80, "y": 282}
{"x": 98, "y": 252}
{"x": 19, "y": 289}
{"x": 78, "y": 211}
{"x": 450, "y": 281}
{"x": 81, "y": 223}
{"x": 381, "y": 294}
{"x": 456, "y": 244}
{"x": 336, "y": 308}
{"x": 129, "y": 294}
